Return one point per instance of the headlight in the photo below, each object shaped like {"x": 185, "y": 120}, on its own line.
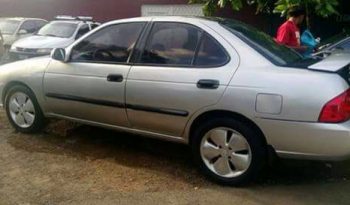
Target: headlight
{"x": 44, "y": 50}
{"x": 13, "y": 48}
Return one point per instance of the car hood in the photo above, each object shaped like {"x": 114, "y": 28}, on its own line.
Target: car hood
{"x": 334, "y": 62}
{"x": 43, "y": 42}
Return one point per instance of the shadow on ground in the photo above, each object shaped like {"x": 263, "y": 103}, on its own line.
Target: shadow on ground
{"x": 91, "y": 143}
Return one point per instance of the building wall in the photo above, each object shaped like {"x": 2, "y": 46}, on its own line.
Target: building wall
{"x": 101, "y": 10}
{"x": 105, "y": 10}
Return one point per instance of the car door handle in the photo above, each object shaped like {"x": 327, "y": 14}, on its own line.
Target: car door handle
{"x": 208, "y": 84}
{"x": 115, "y": 78}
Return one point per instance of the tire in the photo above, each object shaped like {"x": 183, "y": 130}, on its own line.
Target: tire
{"x": 228, "y": 151}
{"x": 23, "y": 110}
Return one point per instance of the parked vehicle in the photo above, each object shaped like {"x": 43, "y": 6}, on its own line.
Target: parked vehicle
{"x": 225, "y": 88}
{"x": 339, "y": 43}
{"x": 14, "y": 29}
{"x": 58, "y": 33}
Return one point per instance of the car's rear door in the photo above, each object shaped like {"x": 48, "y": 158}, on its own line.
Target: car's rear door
{"x": 182, "y": 67}
{"x": 91, "y": 86}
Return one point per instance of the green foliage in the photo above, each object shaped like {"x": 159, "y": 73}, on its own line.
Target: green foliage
{"x": 324, "y": 8}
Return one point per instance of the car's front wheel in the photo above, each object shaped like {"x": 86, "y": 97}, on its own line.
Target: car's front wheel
{"x": 23, "y": 110}
{"x": 229, "y": 151}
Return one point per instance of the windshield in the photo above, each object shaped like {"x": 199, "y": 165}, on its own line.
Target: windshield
{"x": 263, "y": 43}
{"x": 8, "y": 26}
{"x": 58, "y": 29}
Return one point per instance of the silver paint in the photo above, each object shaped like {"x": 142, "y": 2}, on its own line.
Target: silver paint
{"x": 293, "y": 132}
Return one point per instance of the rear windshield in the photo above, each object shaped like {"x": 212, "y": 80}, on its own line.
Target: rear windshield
{"x": 58, "y": 29}
{"x": 8, "y": 26}
{"x": 263, "y": 43}
{"x": 333, "y": 40}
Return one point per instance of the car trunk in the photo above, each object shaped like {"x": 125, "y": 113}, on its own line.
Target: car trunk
{"x": 336, "y": 63}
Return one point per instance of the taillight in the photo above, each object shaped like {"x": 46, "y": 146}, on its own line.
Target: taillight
{"x": 337, "y": 110}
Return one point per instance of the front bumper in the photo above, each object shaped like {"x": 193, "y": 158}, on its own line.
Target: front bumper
{"x": 307, "y": 140}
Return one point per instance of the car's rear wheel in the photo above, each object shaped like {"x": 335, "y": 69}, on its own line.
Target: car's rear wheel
{"x": 23, "y": 110}
{"x": 228, "y": 151}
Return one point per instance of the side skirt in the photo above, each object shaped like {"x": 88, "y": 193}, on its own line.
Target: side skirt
{"x": 123, "y": 129}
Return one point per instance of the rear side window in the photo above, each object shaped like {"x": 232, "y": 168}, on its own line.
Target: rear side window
{"x": 82, "y": 30}
{"x": 171, "y": 44}
{"x": 210, "y": 53}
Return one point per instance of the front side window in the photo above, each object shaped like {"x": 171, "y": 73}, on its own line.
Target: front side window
{"x": 8, "y": 26}
{"x": 171, "y": 44}
{"x": 58, "y": 29}
{"x": 110, "y": 44}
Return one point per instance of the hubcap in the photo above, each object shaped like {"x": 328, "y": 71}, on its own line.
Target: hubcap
{"x": 225, "y": 152}
{"x": 21, "y": 110}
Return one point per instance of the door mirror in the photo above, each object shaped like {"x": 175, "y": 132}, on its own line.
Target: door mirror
{"x": 59, "y": 54}
{"x": 22, "y": 32}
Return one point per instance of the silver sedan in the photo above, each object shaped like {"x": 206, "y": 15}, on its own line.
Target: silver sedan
{"x": 225, "y": 88}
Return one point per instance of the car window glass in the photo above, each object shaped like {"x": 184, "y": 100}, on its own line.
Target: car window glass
{"x": 29, "y": 26}
{"x": 94, "y": 25}
{"x": 9, "y": 26}
{"x": 40, "y": 24}
{"x": 346, "y": 46}
{"x": 58, "y": 29}
{"x": 210, "y": 52}
{"x": 110, "y": 44}
{"x": 82, "y": 30}
{"x": 171, "y": 44}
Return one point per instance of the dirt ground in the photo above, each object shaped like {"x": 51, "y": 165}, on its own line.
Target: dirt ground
{"x": 76, "y": 164}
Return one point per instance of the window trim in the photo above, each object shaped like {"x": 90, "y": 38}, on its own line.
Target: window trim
{"x": 111, "y": 62}
{"x": 147, "y": 39}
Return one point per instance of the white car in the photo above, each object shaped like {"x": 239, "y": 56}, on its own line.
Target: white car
{"x": 224, "y": 88}
{"x": 13, "y": 29}
{"x": 58, "y": 33}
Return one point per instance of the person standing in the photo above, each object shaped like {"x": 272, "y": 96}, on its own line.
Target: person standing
{"x": 288, "y": 33}
{"x": 2, "y": 48}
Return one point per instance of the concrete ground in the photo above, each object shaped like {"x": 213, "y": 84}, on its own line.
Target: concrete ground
{"x": 76, "y": 164}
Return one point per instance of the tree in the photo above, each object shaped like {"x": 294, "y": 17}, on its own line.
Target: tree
{"x": 323, "y": 8}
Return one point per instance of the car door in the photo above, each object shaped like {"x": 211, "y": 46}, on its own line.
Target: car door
{"x": 180, "y": 70}
{"x": 91, "y": 85}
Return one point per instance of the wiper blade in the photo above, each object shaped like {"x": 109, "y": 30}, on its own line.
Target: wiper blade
{"x": 52, "y": 35}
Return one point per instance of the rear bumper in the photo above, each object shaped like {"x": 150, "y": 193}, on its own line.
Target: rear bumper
{"x": 305, "y": 140}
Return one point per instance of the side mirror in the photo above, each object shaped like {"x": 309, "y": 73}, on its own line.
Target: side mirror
{"x": 59, "y": 54}
{"x": 22, "y": 32}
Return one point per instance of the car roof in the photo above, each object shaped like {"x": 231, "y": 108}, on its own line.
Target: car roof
{"x": 21, "y": 18}
{"x": 75, "y": 21}
{"x": 165, "y": 18}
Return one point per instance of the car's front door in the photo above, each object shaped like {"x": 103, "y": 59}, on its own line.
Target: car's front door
{"x": 182, "y": 69}
{"x": 91, "y": 85}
